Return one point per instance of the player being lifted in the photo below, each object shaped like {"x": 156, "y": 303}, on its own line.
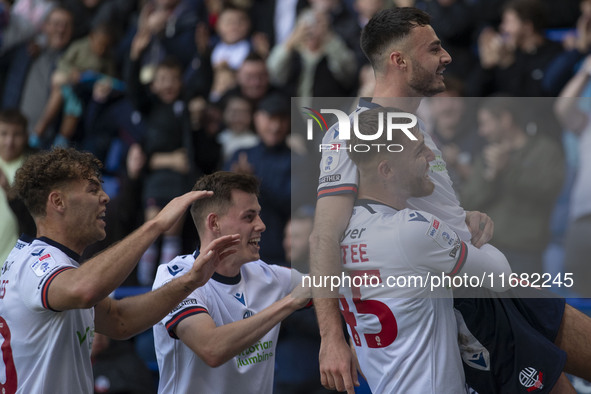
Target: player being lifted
{"x": 417, "y": 326}
{"x": 408, "y": 63}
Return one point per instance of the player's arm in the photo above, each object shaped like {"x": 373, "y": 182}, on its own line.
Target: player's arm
{"x": 216, "y": 345}
{"x": 121, "y": 319}
{"x": 437, "y": 248}
{"x": 86, "y": 286}
{"x": 337, "y": 366}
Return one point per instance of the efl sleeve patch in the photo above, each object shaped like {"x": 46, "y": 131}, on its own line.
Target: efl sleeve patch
{"x": 43, "y": 265}
{"x": 442, "y": 234}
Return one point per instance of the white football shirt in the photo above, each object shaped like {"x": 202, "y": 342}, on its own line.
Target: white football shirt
{"x": 226, "y": 300}
{"x": 44, "y": 351}
{"x": 338, "y": 175}
{"x": 405, "y": 333}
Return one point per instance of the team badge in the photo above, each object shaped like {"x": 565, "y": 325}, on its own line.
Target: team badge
{"x": 531, "y": 379}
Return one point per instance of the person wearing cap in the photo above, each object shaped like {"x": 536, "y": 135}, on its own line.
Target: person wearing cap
{"x": 270, "y": 162}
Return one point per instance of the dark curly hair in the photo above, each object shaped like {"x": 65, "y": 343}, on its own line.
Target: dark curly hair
{"x": 43, "y": 172}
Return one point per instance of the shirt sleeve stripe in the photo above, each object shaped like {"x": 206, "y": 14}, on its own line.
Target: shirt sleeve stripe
{"x": 176, "y": 319}
{"x": 461, "y": 260}
{"x": 45, "y": 289}
{"x": 331, "y": 191}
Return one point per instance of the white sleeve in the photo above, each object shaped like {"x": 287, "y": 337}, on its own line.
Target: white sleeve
{"x": 430, "y": 245}
{"x": 288, "y": 278}
{"x": 433, "y": 246}
{"x": 338, "y": 173}
{"x": 37, "y": 276}
{"x": 488, "y": 260}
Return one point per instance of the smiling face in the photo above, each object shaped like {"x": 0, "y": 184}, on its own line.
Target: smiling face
{"x": 412, "y": 168}
{"x": 427, "y": 62}
{"x": 242, "y": 217}
{"x": 84, "y": 208}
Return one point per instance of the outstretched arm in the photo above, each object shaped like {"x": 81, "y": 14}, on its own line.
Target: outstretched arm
{"x": 124, "y": 318}
{"x": 86, "y": 286}
{"x": 216, "y": 345}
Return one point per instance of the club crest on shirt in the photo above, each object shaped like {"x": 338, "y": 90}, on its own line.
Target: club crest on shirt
{"x": 531, "y": 379}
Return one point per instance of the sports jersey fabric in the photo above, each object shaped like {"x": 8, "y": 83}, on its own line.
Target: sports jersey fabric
{"x": 225, "y": 299}
{"x": 44, "y": 350}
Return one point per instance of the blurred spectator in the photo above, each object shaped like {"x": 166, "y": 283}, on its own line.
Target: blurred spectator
{"x": 275, "y": 19}
{"x": 516, "y": 181}
{"x": 224, "y": 80}
{"x": 13, "y": 152}
{"x": 296, "y": 368}
{"x": 233, "y": 28}
{"x": 514, "y": 61}
{"x": 270, "y": 161}
{"x": 314, "y": 61}
{"x": 253, "y": 79}
{"x": 28, "y": 80}
{"x": 118, "y": 369}
{"x": 170, "y": 26}
{"x": 366, "y": 9}
{"x": 238, "y": 133}
{"x": 168, "y": 147}
{"x": 86, "y": 61}
{"x": 575, "y": 115}
{"x": 577, "y": 45}
{"x": 206, "y": 121}
{"x": 21, "y": 21}
{"x": 453, "y": 128}
{"x": 341, "y": 20}
{"x": 453, "y": 22}
{"x": 89, "y": 14}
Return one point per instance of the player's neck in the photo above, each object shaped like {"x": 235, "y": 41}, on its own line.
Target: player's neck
{"x": 396, "y": 202}
{"x": 409, "y": 104}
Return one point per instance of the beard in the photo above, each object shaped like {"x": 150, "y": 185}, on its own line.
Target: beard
{"x": 423, "y": 81}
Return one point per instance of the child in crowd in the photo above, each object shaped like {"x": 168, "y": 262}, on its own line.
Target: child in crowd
{"x": 233, "y": 28}
{"x": 167, "y": 144}
{"x": 86, "y": 61}
{"x": 238, "y": 133}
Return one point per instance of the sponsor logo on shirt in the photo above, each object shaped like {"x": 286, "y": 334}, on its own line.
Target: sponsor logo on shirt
{"x": 330, "y": 178}
{"x": 188, "y": 301}
{"x": 257, "y": 353}
{"x": 531, "y": 379}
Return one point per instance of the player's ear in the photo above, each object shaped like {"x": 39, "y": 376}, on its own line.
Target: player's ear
{"x": 213, "y": 223}
{"x": 385, "y": 168}
{"x": 397, "y": 60}
{"x": 56, "y": 201}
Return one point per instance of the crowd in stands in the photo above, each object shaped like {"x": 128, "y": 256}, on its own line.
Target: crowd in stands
{"x": 162, "y": 91}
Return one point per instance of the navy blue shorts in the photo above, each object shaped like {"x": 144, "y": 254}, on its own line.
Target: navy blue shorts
{"x": 519, "y": 335}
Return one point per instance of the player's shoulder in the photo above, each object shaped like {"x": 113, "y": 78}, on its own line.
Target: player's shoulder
{"x": 178, "y": 266}
{"x": 262, "y": 270}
